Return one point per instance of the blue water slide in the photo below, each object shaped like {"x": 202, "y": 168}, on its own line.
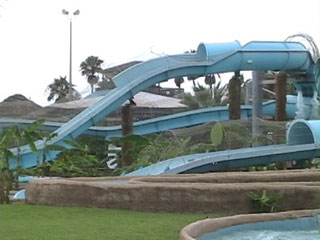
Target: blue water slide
{"x": 209, "y": 59}
{"x": 303, "y": 142}
{"x": 173, "y": 121}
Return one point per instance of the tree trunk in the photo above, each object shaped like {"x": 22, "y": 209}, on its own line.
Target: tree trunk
{"x": 281, "y": 99}
{"x": 234, "y": 98}
{"x": 127, "y": 130}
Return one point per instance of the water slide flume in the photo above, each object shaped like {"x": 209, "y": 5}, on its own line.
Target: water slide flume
{"x": 209, "y": 59}
{"x": 173, "y": 121}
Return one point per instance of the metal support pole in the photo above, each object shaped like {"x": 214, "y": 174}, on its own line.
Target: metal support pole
{"x": 70, "y": 64}
{"x": 256, "y": 101}
{"x": 65, "y": 12}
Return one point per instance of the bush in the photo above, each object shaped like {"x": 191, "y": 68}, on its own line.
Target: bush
{"x": 263, "y": 202}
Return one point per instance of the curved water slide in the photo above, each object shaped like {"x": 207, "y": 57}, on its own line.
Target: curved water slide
{"x": 303, "y": 143}
{"x": 209, "y": 59}
{"x": 169, "y": 122}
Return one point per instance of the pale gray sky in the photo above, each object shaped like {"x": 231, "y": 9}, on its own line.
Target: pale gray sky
{"x": 34, "y": 35}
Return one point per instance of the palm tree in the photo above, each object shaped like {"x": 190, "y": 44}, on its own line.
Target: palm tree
{"x": 200, "y": 99}
{"x": 193, "y": 79}
{"x": 127, "y": 130}
{"x": 6, "y": 174}
{"x": 281, "y": 92}
{"x": 234, "y": 88}
{"x": 178, "y": 81}
{"x": 89, "y": 68}
{"x": 219, "y": 92}
{"x": 210, "y": 80}
{"x": 58, "y": 90}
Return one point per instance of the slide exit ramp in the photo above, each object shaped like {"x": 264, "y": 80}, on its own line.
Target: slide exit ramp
{"x": 303, "y": 143}
{"x": 209, "y": 59}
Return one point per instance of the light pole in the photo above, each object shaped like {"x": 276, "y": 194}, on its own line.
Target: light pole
{"x": 65, "y": 12}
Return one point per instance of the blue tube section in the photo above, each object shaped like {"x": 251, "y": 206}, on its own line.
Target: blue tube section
{"x": 210, "y": 50}
{"x": 260, "y": 55}
{"x": 304, "y": 132}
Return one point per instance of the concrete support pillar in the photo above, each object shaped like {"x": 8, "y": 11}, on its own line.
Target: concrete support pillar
{"x": 281, "y": 96}
{"x": 248, "y": 93}
{"x": 127, "y": 130}
{"x": 256, "y": 101}
{"x": 234, "y": 98}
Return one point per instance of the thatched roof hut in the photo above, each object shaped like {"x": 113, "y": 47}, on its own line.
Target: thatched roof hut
{"x": 17, "y": 106}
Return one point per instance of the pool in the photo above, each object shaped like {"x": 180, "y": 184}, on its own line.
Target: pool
{"x": 293, "y": 229}
{"x": 270, "y": 235}
{"x": 290, "y": 225}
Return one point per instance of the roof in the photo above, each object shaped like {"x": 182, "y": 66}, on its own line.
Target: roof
{"x": 17, "y": 106}
{"x": 142, "y": 99}
{"x": 113, "y": 71}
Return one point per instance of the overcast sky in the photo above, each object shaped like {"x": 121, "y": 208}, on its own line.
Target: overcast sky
{"x": 34, "y": 35}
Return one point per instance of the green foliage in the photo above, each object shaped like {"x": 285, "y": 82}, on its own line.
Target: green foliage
{"x": 90, "y": 69}
{"x": 75, "y": 161}
{"x": 263, "y": 202}
{"x": 17, "y": 137}
{"x": 204, "y": 97}
{"x": 6, "y": 175}
{"x": 201, "y": 98}
{"x": 59, "y": 90}
{"x": 156, "y": 148}
{"x": 216, "y": 134}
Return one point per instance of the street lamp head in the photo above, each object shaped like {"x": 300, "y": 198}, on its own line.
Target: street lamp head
{"x": 65, "y": 12}
{"x": 76, "y": 12}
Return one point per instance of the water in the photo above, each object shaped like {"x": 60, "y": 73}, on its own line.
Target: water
{"x": 314, "y": 106}
{"x": 269, "y": 235}
{"x": 20, "y": 195}
{"x": 300, "y": 106}
{"x": 306, "y": 228}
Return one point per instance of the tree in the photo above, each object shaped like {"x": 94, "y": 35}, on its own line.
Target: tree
{"x": 6, "y": 175}
{"x": 178, "y": 81}
{"x": 90, "y": 69}
{"x": 127, "y": 130}
{"x": 235, "y": 97}
{"x": 219, "y": 92}
{"x": 200, "y": 99}
{"x": 59, "y": 90}
{"x": 281, "y": 100}
{"x": 210, "y": 80}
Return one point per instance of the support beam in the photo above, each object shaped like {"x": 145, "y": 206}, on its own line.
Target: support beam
{"x": 234, "y": 97}
{"x": 127, "y": 130}
{"x": 281, "y": 99}
{"x": 256, "y": 101}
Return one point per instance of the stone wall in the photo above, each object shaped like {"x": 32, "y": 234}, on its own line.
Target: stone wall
{"x": 181, "y": 193}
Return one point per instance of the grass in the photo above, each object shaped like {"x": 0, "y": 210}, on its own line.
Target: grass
{"x": 27, "y": 222}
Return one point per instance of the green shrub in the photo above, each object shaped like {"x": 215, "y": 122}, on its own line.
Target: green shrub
{"x": 263, "y": 202}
